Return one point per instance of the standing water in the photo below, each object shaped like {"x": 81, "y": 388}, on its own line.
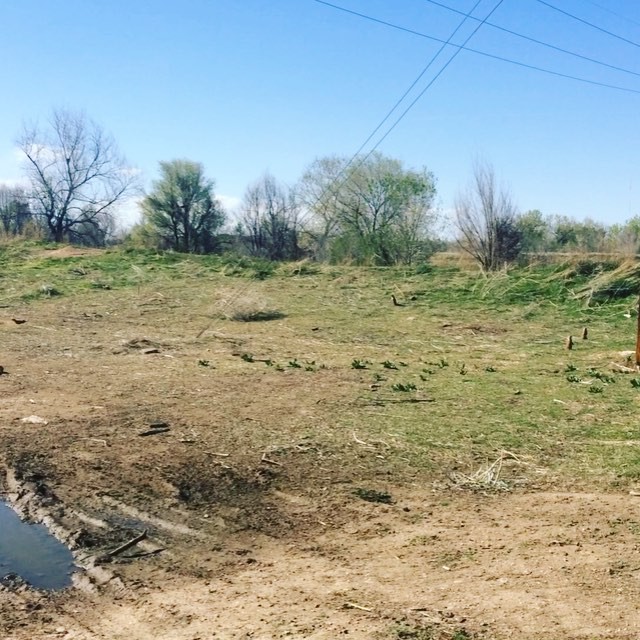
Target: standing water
{"x": 32, "y": 552}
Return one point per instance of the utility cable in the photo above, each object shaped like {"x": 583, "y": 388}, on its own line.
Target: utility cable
{"x": 415, "y": 82}
{"x": 613, "y": 13}
{"x": 455, "y": 54}
{"x": 589, "y": 24}
{"x": 481, "y": 53}
{"x": 336, "y": 179}
{"x": 539, "y": 42}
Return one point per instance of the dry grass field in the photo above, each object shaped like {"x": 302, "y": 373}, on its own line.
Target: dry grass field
{"x": 329, "y": 464}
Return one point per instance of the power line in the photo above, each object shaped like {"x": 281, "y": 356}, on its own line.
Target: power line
{"x": 539, "y": 42}
{"x": 613, "y": 13}
{"x": 337, "y": 178}
{"x": 590, "y": 24}
{"x": 451, "y": 59}
{"x": 413, "y": 84}
{"x": 481, "y": 53}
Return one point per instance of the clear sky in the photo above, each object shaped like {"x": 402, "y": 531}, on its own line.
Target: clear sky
{"x": 246, "y": 86}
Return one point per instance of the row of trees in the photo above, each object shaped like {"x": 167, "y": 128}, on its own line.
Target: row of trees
{"x": 370, "y": 210}
{"x": 367, "y": 210}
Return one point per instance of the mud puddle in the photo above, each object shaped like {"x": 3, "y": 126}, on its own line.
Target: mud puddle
{"x": 31, "y": 552}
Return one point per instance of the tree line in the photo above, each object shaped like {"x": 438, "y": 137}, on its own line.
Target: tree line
{"x": 365, "y": 210}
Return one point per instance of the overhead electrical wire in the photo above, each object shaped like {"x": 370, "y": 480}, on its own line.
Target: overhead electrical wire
{"x": 539, "y": 42}
{"x": 336, "y": 179}
{"x": 430, "y": 83}
{"x": 589, "y": 24}
{"x": 613, "y": 13}
{"x": 413, "y": 84}
{"x": 478, "y": 52}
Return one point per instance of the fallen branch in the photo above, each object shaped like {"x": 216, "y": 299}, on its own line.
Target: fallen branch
{"x": 269, "y": 461}
{"x": 145, "y": 554}
{"x": 127, "y": 545}
{"x": 153, "y": 432}
{"x": 352, "y": 605}
{"x": 619, "y": 367}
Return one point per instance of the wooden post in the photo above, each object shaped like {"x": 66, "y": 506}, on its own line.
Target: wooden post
{"x": 638, "y": 338}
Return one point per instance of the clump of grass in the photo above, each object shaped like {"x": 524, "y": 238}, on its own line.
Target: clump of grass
{"x": 371, "y": 495}
{"x": 387, "y": 364}
{"x": 359, "y": 364}
{"x": 595, "y": 389}
{"x": 572, "y": 378}
{"x": 250, "y": 309}
{"x": 635, "y": 383}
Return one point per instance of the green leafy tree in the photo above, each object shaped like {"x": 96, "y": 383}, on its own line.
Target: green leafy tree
{"x": 182, "y": 208}
{"x": 371, "y": 211}
{"x": 586, "y": 236}
{"x": 535, "y": 231}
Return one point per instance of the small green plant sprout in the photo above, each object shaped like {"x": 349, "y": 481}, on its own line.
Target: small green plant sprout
{"x": 429, "y": 371}
{"x": 595, "y": 388}
{"x": 204, "y": 363}
{"x": 423, "y": 377}
{"x": 359, "y": 364}
{"x": 309, "y": 367}
{"x": 443, "y": 363}
{"x": 269, "y": 362}
{"x": 387, "y": 364}
{"x": 247, "y": 357}
{"x": 403, "y": 364}
{"x": 463, "y": 369}
{"x": 603, "y": 377}
{"x": 570, "y": 367}
{"x": 635, "y": 383}
{"x": 279, "y": 367}
{"x": 572, "y": 378}
{"x": 490, "y": 369}
{"x": 405, "y": 387}
{"x": 294, "y": 364}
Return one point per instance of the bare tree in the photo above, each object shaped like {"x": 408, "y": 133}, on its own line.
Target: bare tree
{"x": 269, "y": 216}
{"x": 486, "y": 220}
{"x": 14, "y": 210}
{"x": 76, "y": 174}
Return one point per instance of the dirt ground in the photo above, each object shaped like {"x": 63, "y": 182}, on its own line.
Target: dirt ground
{"x": 253, "y": 500}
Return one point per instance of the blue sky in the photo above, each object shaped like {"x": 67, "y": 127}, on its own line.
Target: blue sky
{"x": 246, "y": 86}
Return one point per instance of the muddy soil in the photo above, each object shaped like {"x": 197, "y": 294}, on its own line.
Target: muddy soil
{"x": 253, "y": 507}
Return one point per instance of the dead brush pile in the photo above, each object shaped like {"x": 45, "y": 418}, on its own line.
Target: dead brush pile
{"x": 611, "y": 282}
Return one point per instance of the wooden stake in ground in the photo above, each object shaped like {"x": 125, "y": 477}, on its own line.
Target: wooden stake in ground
{"x": 568, "y": 343}
{"x": 585, "y": 333}
{"x": 638, "y": 338}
